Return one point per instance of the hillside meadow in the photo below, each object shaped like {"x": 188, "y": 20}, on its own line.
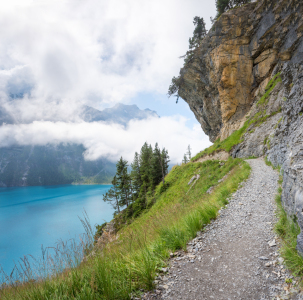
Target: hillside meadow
{"x": 129, "y": 264}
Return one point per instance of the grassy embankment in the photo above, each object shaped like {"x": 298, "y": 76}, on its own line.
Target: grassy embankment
{"x": 130, "y": 264}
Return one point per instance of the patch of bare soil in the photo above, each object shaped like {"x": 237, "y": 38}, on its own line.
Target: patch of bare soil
{"x": 221, "y": 155}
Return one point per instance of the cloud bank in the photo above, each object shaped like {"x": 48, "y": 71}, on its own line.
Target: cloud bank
{"x": 56, "y": 56}
{"x": 110, "y": 140}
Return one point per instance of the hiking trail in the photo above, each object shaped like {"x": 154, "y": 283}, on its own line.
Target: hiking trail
{"x": 235, "y": 256}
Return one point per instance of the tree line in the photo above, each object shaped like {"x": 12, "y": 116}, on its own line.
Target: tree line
{"x": 133, "y": 187}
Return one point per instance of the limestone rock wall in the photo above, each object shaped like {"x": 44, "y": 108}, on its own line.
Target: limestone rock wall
{"x": 233, "y": 64}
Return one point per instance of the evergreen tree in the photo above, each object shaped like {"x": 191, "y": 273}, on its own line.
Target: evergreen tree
{"x": 222, "y": 6}
{"x": 174, "y": 87}
{"x": 199, "y": 32}
{"x": 132, "y": 190}
{"x": 164, "y": 163}
{"x": 124, "y": 182}
{"x": 156, "y": 164}
{"x": 145, "y": 169}
{"x": 188, "y": 152}
{"x": 185, "y": 159}
{"x": 136, "y": 176}
{"x": 112, "y": 195}
{"x": 225, "y": 5}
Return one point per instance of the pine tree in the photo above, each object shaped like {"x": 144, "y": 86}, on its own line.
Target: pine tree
{"x": 136, "y": 176}
{"x": 145, "y": 169}
{"x": 185, "y": 159}
{"x": 225, "y": 5}
{"x": 124, "y": 182}
{"x": 164, "y": 163}
{"x": 132, "y": 190}
{"x": 198, "y": 34}
{"x": 112, "y": 195}
{"x": 222, "y": 6}
{"x": 156, "y": 164}
{"x": 188, "y": 153}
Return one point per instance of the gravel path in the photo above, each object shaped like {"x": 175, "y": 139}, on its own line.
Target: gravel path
{"x": 236, "y": 256}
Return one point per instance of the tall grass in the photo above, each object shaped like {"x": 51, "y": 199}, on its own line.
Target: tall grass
{"x": 288, "y": 230}
{"x": 53, "y": 260}
{"x": 131, "y": 262}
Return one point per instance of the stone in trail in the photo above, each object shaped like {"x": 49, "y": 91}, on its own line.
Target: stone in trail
{"x": 235, "y": 258}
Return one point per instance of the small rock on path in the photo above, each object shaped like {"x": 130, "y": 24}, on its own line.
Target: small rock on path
{"x": 236, "y": 256}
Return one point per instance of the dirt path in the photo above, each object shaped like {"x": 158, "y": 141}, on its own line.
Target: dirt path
{"x": 236, "y": 256}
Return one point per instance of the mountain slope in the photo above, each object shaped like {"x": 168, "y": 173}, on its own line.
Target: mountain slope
{"x": 120, "y": 113}
{"x": 63, "y": 163}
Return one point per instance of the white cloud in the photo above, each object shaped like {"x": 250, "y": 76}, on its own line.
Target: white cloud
{"x": 97, "y": 52}
{"x": 110, "y": 140}
{"x": 58, "y": 55}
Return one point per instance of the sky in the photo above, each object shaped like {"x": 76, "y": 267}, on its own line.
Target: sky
{"x": 56, "y": 56}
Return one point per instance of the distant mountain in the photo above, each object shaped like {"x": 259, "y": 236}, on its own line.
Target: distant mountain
{"x": 51, "y": 165}
{"x": 120, "y": 113}
{"x": 64, "y": 163}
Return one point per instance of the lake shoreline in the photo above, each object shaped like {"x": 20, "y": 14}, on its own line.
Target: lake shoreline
{"x": 58, "y": 185}
{"x": 43, "y": 215}
{"x": 73, "y": 183}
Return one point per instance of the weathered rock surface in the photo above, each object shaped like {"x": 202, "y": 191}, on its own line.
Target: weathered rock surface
{"x": 229, "y": 74}
{"x": 233, "y": 64}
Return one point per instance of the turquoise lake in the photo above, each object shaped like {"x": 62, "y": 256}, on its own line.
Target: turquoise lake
{"x": 35, "y": 216}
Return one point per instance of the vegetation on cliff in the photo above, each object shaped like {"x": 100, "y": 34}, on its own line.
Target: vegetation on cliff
{"x": 199, "y": 34}
{"x": 236, "y": 137}
{"x": 269, "y": 88}
{"x": 258, "y": 115}
{"x": 225, "y": 5}
{"x": 131, "y": 261}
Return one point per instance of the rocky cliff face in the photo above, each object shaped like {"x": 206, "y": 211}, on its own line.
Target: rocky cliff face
{"x": 233, "y": 64}
{"x": 250, "y": 66}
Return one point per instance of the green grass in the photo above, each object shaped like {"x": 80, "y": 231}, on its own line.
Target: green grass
{"x": 269, "y": 163}
{"x": 226, "y": 145}
{"x": 279, "y": 121}
{"x": 269, "y": 88}
{"x": 131, "y": 263}
{"x": 288, "y": 229}
{"x": 236, "y": 137}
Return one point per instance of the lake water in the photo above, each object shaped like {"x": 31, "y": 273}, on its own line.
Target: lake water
{"x": 35, "y": 216}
